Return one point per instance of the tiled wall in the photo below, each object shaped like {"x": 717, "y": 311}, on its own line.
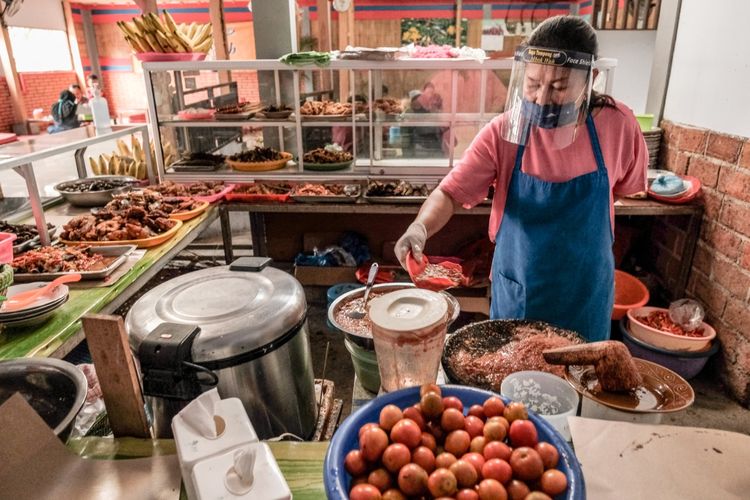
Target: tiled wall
{"x": 720, "y": 276}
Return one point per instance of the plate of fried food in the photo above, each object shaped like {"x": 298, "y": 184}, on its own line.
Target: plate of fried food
{"x": 277, "y": 192}
{"x": 48, "y": 263}
{"x": 259, "y": 159}
{"x": 326, "y": 159}
{"x": 275, "y": 112}
{"x": 326, "y": 193}
{"x": 239, "y": 111}
{"x": 330, "y": 111}
{"x": 210, "y": 191}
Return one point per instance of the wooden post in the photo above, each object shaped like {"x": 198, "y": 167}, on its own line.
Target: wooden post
{"x": 18, "y": 103}
{"x": 324, "y": 37}
{"x": 459, "y": 6}
{"x": 118, "y": 377}
{"x": 346, "y": 37}
{"x": 75, "y": 54}
{"x": 218, "y": 29}
{"x": 147, "y": 6}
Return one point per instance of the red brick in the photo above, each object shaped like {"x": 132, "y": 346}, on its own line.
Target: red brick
{"x": 703, "y": 258}
{"x": 667, "y": 135}
{"x": 724, "y": 147}
{"x": 737, "y": 315}
{"x": 736, "y": 215}
{"x": 674, "y": 160}
{"x": 724, "y": 240}
{"x": 692, "y": 139}
{"x": 745, "y": 156}
{"x": 705, "y": 170}
{"x": 734, "y": 182}
{"x": 732, "y": 277}
{"x": 745, "y": 257}
{"x": 712, "y": 295}
{"x": 712, "y": 201}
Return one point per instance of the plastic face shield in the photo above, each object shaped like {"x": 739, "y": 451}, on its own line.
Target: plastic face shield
{"x": 548, "y": 96}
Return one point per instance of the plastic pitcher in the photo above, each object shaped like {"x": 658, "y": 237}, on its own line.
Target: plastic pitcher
{"x": 408, "y": 329}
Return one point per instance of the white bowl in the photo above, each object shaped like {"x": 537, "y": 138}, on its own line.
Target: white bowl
{"x": 533, "y": 387}
{"x": 670, "y": 341}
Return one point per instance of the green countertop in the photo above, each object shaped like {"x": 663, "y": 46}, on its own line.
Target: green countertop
{"x": 45, "y": 339}
{"x": 301, "y": 463}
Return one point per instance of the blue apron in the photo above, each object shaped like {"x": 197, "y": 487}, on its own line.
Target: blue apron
{"x": 553, "y": 252}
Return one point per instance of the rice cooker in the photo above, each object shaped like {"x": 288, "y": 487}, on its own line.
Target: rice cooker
{"x": 241, "y": 328}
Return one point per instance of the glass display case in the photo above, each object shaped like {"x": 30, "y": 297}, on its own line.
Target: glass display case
{"x": 405, "y": 119}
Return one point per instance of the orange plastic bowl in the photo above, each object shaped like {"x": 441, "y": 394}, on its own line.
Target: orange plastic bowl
{"x": 630, "y": 293}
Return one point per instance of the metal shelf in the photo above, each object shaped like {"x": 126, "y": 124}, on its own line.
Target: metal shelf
{"x": 227, "y": 123}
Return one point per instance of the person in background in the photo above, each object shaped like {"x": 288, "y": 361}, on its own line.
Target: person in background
{"x": 558, "y": 157}
{"x": 64, "y": 113}
{"x": 76, "y": 90}
{"x": 92, "y": 83}
{"x": 428, "y": 140}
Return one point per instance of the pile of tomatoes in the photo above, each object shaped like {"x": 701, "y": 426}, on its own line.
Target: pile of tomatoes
{"x": 433, "y": 450}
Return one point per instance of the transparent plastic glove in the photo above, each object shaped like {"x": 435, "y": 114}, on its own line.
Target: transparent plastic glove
{"x": 412, "y": 240}
{"x": 687, "y": 313}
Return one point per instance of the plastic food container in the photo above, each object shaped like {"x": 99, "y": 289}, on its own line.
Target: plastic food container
{"x": 337, "y": 481}
{"x": 630, "y": 292}
{"x": 408, "y": 327}
{"x": 669, "y": 341}
{"x": 6, "y": 247}
{"x": 551, "y": 397}
{"x": 646, "y": 121}
{"x": 685, "y": 364}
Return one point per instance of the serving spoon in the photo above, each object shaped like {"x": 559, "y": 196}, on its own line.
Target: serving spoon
{"x": 360, "y": 313}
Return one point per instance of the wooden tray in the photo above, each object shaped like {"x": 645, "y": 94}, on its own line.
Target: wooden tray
{"x": 260, "y": 166}
{"x": 121, "y": 253}
{"x": 143, "y": 243}
{"x": 191, "y": 214}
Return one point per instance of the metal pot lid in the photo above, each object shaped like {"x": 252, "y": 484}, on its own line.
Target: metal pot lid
{"x": 237, "y": 311}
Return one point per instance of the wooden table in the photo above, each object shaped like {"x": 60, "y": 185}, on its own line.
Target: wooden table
{"x": 301, "y": 463}
{"x": 58, "y": 336}
{"x": 370, "y": 214}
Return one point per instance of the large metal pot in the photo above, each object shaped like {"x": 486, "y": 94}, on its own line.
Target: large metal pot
{"x": 252, "y": 335}
{"x": 366, "y": 341}
{"x": 55, "y": 389}
{"x": 94, "y": 198}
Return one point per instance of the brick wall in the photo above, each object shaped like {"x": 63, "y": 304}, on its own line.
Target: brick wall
{"x": 6, "y": 108}
{"x": 720, "y": 276}
{"x": 42, "y": 90}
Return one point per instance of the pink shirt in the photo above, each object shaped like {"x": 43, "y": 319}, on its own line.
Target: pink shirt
{"x": 490, "y": 159}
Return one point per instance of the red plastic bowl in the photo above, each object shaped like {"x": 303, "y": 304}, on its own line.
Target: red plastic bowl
{"x": 6, "y": 247}
{"x": 629, "y": 294}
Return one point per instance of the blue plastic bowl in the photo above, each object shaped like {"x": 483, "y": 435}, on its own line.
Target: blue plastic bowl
{"x": 337, "y": 480}
{"x": 687, "y": 364}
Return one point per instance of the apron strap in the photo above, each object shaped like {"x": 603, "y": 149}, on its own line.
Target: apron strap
{"x": 595, "y": 144}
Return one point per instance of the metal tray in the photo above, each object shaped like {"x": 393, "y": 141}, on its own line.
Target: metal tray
{"x": 395, "y": 199}
{"x": 33, "y": 242}
{"x": 120, "y": 251}
{"x": 242, "y": 115}
{"x": 327, "y": 199}
{"x": 183, "y": 166}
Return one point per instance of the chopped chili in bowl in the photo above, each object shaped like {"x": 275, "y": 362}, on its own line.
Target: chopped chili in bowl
{"x": 661, "y": 321}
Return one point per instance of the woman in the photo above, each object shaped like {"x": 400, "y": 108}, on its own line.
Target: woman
{"x": 557, "y": 157}
{"x": 64, "y": 113}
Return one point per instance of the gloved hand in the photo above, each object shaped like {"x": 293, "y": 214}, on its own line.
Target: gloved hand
{"x": 412, "y": 240}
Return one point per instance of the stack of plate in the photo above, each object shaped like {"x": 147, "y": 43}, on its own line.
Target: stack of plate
{"x": 39, "y": 311}
{"x": 653, "y": 141}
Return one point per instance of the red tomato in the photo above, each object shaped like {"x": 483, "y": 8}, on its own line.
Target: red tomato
{"x": 430, "y": 388}
{"x": 412, "y": 479}
{"x": 414, "y": 413}
{"x": 523, "y": 433}
{"x": 548, "y": 452}
{"x": 365, "y": 427}
{"x": 380, "y": 478}
{"x": 406, "y": 431}
{"x": 425, "y": 458}
{"x": 489, "y": 489}
{"x": 517, "y": 490}
{"x": 453, "y": 402}
{"x": 372, "y": 443}
{"x": 467, "y": 494}
{"x": 537, "y": 495}
{"x": 428, "y": 440}
{"x": 465, "y": 473}
{"x": 354, "y": 463}
{"x": 442, "y": 483}
{"x": 477, "y": 444}
{"x": 365, "y": 492}
{"x": 497, "y": 449}
{"x": 498, "y": 470}
{"x": 476, "y": 460}
{"x": 431, "y": 405}
{"x": 494, "y": 430}
{"x": 445, "y": 460}
{"x": 396, "y": 456}
{"x": 393, "y": 494}
{"x": 494, "y": 407}
{"x": 437, "y": 431}
{"x": 473, "y": 425}
{"x": 477, "y": 411}
{"x": 554, "y": 482}
{"x": 457, "y": 442}
{"x": 452, "y": 419}
{"x": 526, "y": 463}
{"x": 389, "y": 415}
{"x": 515, "y": 411}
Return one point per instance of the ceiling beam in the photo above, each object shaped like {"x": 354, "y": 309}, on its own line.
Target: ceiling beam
{"x": 219, "y": 33}
{"x": 18, "y": 103}
{"x": 75, "y": 53}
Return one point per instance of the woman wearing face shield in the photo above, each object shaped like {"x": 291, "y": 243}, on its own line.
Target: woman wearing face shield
{"x": 558, "y": 157}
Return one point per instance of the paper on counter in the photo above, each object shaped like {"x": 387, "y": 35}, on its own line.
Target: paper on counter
{"x": 34, "y": 464}
{"x": 624, "y": 460}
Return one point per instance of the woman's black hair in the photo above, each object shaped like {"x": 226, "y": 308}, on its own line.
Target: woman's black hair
{"x": 571, "y": 33}
{"x": 65, "y": 108}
